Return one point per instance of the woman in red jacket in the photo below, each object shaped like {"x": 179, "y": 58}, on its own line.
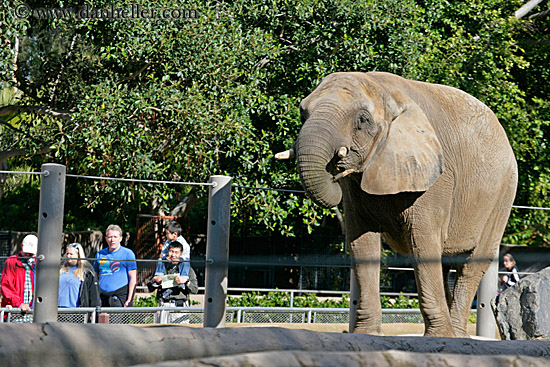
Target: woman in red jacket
{"x": 18, "y": 277}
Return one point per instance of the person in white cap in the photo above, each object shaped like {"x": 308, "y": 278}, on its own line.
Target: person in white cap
{"x": 18, "y": 277}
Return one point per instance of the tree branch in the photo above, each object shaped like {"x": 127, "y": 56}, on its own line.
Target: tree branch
{"x": 11, "y": 127}
{"x": 184, "y": 206}
{"x": 62, "y": 68}
{"x": 7, "y": 154}
{"x": 137, "y": 73}
{"x": 15, "y": 56}
{"x": 521, "y": 12}
{"x": 41, "y": 110}
{"x": 539, "y": 15}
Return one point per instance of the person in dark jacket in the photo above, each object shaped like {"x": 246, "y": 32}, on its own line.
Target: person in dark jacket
{"x": 512, "y": 277}
{"x": 172, "y": 285}
{"x": 78, "y": 286}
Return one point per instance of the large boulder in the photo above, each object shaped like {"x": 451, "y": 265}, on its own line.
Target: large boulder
{"x": 523, "y": 311}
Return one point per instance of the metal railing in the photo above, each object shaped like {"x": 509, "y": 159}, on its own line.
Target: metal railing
{"x": 195, "y": 315}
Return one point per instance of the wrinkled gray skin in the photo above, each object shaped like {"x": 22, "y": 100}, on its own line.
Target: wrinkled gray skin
{"x": 428, "y": 166}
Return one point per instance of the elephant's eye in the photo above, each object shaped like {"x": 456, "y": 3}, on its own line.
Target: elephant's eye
{"x": 366, "y": 123}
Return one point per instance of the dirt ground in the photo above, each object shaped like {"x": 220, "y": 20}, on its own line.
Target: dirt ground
{"x": 388, "y": 329}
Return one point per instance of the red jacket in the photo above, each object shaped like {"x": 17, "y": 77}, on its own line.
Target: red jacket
{"x": 13, "y": 282}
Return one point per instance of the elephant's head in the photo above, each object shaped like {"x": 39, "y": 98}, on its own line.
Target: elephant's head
{"x": 354, "y": 124}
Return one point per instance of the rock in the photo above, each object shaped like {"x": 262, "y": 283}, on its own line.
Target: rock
{"x": 390, "y": 358}
{"x": 523, "y": 311}
{"x": 59, "y": 345}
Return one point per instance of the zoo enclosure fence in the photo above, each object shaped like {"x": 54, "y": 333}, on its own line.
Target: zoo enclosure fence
{"x": 53, "y": 182}
{"x": 195, "y": 315}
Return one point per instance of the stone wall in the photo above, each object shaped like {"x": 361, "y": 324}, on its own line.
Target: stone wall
{"x": 82, "y": 345}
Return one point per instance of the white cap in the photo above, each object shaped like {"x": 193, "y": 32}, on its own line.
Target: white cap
{"x": 30, "y": 244}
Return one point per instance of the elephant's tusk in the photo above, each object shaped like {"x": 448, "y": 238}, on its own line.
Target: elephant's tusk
{"x": 343, "y": 174}
{"x": 342, "y": 152}
{"x": 287, "y": 154}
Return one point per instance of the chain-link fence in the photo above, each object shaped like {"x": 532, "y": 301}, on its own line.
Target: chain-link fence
{"x": 195, "y": 315}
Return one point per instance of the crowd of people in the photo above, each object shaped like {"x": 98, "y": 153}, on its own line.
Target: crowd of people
{"x": 109, "y": 282}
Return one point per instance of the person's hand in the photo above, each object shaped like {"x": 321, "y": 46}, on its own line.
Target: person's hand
{"x": 157, "y": 279}
{"x": 505, "y": 279}
{"x": 181, "y": 280}
{"x": 25, "y": 307}
{"x": 127, "y": 303}
{"x": 9, "y": 307}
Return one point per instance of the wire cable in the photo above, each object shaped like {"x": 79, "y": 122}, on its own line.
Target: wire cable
{"x": 142, "y": 181}
{"x": 268, "y": 189}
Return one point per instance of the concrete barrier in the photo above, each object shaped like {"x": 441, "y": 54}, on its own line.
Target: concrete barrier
{"x": 61, "y": 345}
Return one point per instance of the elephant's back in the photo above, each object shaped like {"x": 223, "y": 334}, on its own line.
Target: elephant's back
{"x": 481, "y": 169}
{"x": 465, "y": 126}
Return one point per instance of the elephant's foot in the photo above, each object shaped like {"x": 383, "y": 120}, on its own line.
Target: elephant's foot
{"x": 368, "y": 322}
{"x": 368, "y": 330}
{"x": 440, "y": 331}
{"x": 461, "y": 332}
{"x": 372, "y": 326}
{"x": 462, "y": 335}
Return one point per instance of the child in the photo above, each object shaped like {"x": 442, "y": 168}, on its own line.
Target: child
{"x": 512, "y": 277}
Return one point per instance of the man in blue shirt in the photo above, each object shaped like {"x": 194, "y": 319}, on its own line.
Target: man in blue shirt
{"x": 117, "y": 270}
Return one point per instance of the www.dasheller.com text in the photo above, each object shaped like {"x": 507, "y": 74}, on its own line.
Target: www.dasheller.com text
{"x": 134, "y": 11}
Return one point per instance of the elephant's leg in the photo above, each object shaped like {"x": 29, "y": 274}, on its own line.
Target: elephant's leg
{"x": 448, "y": 295}
{"x": 429, "y": 282}
{"x": 365, "y": 254}
{"x": 467, "y": 278}
{"x": 470, "y": 273}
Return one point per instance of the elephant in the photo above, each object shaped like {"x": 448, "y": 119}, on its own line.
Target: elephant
{"x": 428, "y": 167}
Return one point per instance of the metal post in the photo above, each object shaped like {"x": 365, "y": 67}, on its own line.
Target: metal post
{"x": 50, "y": 238}
{"x": 488, "y": 287}
{"x": 217, "y": 251}
{"x": 353, "y": 286}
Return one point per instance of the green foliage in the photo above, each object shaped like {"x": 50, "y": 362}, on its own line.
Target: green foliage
{"x": 282, "y": 299}
{"x": 20, "y": 208}
{"x": 399, "y": 302}
{"x": 255, "y": 299}
{"x": 150, "y": 301}
{"x": 170, "y": 99}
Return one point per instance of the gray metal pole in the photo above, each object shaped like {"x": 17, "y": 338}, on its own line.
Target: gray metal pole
{"x": 217, "y": 251}
{"x": 488, "y": 287}
{"x": 353, "y": 287}
{"x": 50, "y": 237}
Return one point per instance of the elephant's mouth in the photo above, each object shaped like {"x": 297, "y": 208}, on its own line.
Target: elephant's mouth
{"x": 342, "y": 167}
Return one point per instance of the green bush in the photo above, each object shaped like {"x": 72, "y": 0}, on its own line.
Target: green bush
{"x": 399, "y": 302}
{"x": 282, "y": 299}
{"x": 152, "y": 301}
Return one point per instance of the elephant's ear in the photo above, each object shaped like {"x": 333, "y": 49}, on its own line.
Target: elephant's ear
{"x": 411, "y": 159}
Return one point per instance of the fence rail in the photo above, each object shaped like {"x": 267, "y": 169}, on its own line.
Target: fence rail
{"x": 195, "y": 315}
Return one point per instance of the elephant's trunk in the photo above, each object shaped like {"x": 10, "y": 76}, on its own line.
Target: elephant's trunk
{"x": 315, "y": 147}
